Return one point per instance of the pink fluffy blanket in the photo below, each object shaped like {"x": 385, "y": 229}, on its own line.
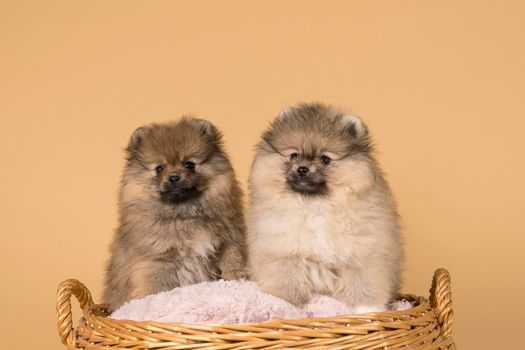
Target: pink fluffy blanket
{"x": 229, "y": 302}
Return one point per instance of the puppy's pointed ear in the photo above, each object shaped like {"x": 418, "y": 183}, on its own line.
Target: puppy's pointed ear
{"x": 285, "y": 112}
{"x": 137, "y": 137}
{"x": 206, "y": 128}
{"x": 354, "y": 126}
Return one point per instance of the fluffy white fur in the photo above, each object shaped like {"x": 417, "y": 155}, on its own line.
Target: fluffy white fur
{"x": 228, "y": 302}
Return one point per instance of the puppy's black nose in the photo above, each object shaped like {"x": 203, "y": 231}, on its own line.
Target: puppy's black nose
{"x": 173, "y": 179}
{"x": 302, "y": 171}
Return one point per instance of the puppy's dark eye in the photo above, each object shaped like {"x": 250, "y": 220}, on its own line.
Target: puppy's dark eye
{"x": 325, "y": 159}
{"x": 159, "y": 169}
{"x": 189, "y": 165}
{"x": 294, "y": 156}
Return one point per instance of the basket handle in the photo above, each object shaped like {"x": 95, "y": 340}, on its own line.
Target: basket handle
{"x": 64, "y": 314}
{"x": 441, "y": 301}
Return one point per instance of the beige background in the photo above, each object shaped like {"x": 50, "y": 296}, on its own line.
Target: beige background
{"x": 441, "y": 85}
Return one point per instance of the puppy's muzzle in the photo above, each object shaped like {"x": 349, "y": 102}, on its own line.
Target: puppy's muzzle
{"x": 177, "y": 188}
{"x": 306, "y": 180}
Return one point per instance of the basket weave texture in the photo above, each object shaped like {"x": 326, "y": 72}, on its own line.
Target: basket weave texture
{"x": 428, "y": 325}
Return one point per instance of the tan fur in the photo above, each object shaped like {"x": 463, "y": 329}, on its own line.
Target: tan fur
{"x": 346, "y": 242}
{"x": 162, "y": 241}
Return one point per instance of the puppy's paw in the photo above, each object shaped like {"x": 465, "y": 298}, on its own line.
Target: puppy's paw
{"x": 234, "y": 275}
{"x": 298, "y": 299}
{"x": 295, "y": 295}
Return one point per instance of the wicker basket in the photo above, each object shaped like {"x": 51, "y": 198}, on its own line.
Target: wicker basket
{"x": 425, "y": 326}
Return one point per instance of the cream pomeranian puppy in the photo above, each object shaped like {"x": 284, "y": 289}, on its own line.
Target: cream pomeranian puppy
{"x": 321, "y": 217}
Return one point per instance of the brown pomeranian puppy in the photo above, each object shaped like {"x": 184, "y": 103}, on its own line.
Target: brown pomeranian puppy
{"x": 321, "y": 216}
{"x": 181, "y": 219}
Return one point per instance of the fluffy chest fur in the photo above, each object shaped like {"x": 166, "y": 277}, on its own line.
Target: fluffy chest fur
{"x": 171, "y": 239}
{"x": 330, "y": 229}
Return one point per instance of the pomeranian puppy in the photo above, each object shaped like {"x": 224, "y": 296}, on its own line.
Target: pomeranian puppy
{"x": 181, "y": 218}
{"x": 321, "y": 217}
